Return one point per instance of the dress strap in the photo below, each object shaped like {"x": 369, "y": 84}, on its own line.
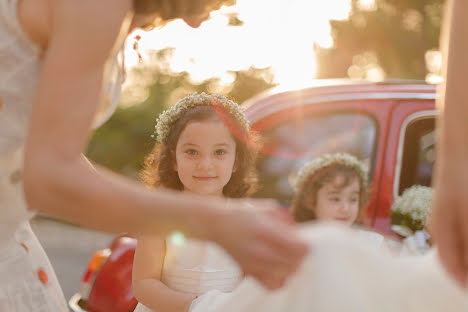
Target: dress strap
{"x": 114, "y": 76}
{"x": 10, "y": 19}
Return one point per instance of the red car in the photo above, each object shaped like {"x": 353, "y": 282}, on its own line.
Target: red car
{"x": 390, "y": 125}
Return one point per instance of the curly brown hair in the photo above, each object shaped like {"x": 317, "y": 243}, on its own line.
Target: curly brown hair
{"x": 305, "y": 200}
{"x": 172, "y": 9}
{"x": 159, "y": 164}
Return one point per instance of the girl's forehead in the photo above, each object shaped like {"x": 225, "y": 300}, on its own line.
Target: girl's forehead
{"x": 340, "y": 182}
{"x": 206, "y": 131}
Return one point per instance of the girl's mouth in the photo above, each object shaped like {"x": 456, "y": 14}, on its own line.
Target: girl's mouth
{"x": 204, "y": 178}
{"x": 342, "y": 219}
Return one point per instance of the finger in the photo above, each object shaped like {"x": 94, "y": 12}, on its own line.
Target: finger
{"x": 269, "y": 281}
{"x": 282, "y": 215}
{"x": 267, "y": 260}
{"x": 273, "y": 283}
{"x": 286, "y": 241}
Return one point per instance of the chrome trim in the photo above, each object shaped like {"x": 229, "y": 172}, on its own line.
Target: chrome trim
{"x": 271, "y": 109}
{"x": 73, "y": 303}
{"x": 406, "y": 122}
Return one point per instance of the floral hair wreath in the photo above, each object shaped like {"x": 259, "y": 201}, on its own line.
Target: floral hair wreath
{"x": 167, "y": 118}
{"x": 411, "y": 211}
{"x": 327, "y": 160}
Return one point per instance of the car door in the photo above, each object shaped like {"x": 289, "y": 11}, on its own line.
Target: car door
{"x": 409, "y": 155}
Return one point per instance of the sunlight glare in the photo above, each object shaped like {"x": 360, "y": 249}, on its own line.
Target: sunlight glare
{"x": 279, "y": 34}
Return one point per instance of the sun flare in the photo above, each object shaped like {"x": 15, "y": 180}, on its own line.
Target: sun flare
{"x": 279, "y": 34}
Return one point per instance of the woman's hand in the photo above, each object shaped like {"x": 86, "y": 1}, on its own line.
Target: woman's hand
{"x": 261, "y": 238}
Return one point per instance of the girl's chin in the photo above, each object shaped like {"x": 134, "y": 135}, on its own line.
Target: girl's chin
{"x": 344, "y": 221}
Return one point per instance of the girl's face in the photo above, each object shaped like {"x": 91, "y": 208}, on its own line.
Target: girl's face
{"x": 205, "y": 156}
{"x": 337, "y": 202}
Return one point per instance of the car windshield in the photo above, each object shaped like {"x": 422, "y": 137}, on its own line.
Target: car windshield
{"x": 290, "y": 144}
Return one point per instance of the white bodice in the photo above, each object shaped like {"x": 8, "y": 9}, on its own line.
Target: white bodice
{"x": 20, "y": 65}
{"x": 197, "y": 267}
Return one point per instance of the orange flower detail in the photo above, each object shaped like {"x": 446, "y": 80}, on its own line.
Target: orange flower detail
{"x": 24, "y": 246}
{"x": 42, "y": 276}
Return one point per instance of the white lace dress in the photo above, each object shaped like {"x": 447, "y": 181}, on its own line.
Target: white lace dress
{"x": 27, "y": 281}
{"x": 197, "y": 268}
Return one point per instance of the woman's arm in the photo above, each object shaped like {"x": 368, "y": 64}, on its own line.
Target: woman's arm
{"x": 450, "y": 206}
{"x": 146, "y": 275}
{"x": 57, "y": 180}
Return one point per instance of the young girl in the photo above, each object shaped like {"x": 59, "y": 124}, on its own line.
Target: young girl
{"x": 410, "y": 219}
{"x": 60, "y": 76}
{"x": 204, "y": 147}
{"x": 331, "y": 187}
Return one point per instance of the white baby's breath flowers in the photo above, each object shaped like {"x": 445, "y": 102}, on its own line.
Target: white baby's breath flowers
{"x": 328, "y": 160}
{"x": 414, "y": 204}
{"x": 170, "y": 116}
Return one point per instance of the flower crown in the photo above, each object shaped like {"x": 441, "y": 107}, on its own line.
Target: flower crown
{"x": 411, "y": 211}
{"x": 167, "y": 118}
{"x": 327, "y": 160}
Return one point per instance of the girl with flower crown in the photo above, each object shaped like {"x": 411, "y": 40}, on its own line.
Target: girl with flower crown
{"x": 332, "y": 187}
{"x": 204, "y": 147}
{"x": 410, "y": 219}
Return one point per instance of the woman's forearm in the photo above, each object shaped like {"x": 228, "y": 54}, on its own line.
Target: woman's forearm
{"x": 73, "y": 190}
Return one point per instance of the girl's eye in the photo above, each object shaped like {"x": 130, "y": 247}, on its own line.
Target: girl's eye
{"x": 220, "y": 152}
{"x": 354, "y": 200}
{"x": 335, "y": 199}
{"x": 191, "y": 152}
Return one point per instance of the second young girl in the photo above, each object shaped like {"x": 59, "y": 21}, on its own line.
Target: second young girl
{"x": 333, "y": 187}
{"x": 204, "y": 147}
{"x": 330, "y": 187}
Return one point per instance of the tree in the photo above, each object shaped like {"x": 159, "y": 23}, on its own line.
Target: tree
{"x": 393, "y": 35}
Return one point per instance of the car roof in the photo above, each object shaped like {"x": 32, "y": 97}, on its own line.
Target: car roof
{"x": 334, "y": 90}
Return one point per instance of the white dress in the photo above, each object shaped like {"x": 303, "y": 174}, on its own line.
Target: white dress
{"x": 416, "y": 244}
{"x": 346, "y": 272}
{"x": 27, "y": 281}
{"x": 197, "y": 267}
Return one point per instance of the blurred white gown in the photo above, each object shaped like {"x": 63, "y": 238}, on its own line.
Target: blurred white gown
{"x": 344, "y": 271}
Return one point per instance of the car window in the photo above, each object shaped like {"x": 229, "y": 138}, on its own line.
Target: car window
{"x": 418, "y": 154}
{"x": 289, "y": 145}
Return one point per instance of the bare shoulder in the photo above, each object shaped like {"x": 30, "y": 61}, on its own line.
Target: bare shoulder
{"x": 95, "y": 24}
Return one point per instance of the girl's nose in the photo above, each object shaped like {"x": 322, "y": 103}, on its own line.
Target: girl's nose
{"x": 205, "y": 162}
{"x": 344, "y": 206}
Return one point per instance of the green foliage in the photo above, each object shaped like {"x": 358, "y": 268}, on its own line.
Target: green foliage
{"x": 394, "y": 34}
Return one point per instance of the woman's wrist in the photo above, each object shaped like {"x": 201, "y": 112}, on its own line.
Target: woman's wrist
{"x": 207, "y": 216}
